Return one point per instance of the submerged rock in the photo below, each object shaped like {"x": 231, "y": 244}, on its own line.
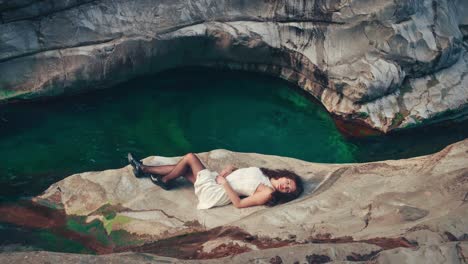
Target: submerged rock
{"x": 390, "y": 64}
{"x": 410, "y": 210}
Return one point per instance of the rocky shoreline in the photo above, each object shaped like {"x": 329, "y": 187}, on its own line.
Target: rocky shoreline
{"x": 399, "y": 211}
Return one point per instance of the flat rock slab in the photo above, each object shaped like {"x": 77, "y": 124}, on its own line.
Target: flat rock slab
{"x": 160, "y": 213}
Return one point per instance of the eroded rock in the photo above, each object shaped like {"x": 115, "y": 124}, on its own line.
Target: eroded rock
{"x": 389, "y": 64}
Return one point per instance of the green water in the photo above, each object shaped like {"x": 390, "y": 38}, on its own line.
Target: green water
{"x": 170, "y": 114}
{"x": 16, "y": 238}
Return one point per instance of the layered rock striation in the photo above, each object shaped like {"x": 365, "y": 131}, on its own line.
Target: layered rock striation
{"x": 396, "y": 211}
{"x": 390, "y": 64}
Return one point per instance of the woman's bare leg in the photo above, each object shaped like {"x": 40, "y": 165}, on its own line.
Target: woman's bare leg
{"x": 166, "y": 169}
{"x": 189, "y": 165}
{"x": 159, "y": 169}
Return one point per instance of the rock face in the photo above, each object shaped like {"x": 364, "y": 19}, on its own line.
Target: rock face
{"x": 390, "y": 64}
{"x": 396, "y": 211}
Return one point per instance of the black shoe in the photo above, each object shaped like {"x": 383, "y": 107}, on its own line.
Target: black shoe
{"x": 157, "y": 179}
{"x": 137, "y": 170}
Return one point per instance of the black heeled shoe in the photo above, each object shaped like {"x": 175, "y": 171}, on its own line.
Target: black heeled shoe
{"x": 157, "y": 179}
{"x": 137, "y": 166}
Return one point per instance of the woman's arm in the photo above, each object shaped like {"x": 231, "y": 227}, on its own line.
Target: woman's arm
{"x": 227, "y": 170}
{"x": 258, "y": 198}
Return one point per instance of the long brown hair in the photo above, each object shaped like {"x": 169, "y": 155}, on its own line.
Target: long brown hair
{"x": 278, "y": 197}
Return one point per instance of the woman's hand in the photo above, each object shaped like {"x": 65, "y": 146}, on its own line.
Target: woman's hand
{"x": 227, "y": 170}
{"x": 220, "y": 179}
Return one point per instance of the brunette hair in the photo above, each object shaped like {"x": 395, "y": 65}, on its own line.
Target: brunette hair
{"x": 278, "y": 197}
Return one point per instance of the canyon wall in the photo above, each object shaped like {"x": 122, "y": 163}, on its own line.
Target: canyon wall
{"x": 389, "y": 64}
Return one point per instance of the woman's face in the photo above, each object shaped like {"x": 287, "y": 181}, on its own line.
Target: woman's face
{"x": 286, "y": 185}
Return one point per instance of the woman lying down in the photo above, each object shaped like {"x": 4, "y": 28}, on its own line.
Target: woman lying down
{"x": 259, "y": 186}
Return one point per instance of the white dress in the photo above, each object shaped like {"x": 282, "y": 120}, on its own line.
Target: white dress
{"x": 243, "y": 181}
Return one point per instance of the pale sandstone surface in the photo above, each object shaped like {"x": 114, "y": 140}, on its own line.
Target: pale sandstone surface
{"x": 389, "y": 63}
{"x": 422, "y": 199}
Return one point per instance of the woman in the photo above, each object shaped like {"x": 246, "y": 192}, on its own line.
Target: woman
{"x": 260, "y": 186}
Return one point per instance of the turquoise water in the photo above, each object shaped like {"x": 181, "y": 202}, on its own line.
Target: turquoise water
{"x": 176, "y": 112}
